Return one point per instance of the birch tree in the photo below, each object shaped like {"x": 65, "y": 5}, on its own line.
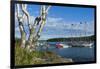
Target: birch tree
{"x": 39, "y": 20}
{"x": 20, "y": 18}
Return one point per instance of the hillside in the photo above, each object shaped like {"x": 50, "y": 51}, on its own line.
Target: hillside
{"x": 87, "y": 38}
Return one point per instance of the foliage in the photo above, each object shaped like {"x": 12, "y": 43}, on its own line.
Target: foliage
{"x": 24, "y": 57}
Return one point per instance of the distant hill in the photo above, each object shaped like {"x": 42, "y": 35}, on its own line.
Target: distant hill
{"x": 87, "y": 38}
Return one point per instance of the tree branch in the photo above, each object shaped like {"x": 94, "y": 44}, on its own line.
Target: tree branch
{"x": 24, "y": 6}
{"x": 21, "y": 27}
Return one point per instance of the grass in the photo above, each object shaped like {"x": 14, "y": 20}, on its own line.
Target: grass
{"x": 24, "y": 57}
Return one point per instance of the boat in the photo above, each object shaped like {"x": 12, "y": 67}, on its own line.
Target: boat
{"x": 88, "y": 45}
{"x": 62, "y": 46}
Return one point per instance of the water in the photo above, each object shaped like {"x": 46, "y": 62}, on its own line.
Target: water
{"x": 78, "y": 54}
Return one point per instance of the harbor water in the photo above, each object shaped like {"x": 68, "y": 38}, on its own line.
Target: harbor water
{"x": 77, "y": 54}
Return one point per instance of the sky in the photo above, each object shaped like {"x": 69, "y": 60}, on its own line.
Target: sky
{"x": 62, "y": 22}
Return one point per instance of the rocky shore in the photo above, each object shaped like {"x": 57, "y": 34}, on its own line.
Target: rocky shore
{"x": 22, "y": 57}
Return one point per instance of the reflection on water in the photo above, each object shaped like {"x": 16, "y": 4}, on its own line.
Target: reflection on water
{"x": 78, "y": 54}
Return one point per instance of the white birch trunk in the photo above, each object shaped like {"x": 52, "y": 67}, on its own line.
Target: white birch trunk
{"x": 31, "y": 29}
{"x": 23, "y": 35}
{"x": 21, "y": 27}
{"x": 43, "y": 14}
{"x": 33, "y": 36}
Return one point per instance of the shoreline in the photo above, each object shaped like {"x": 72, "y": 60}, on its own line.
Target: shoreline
{"x": 24, "y": 57}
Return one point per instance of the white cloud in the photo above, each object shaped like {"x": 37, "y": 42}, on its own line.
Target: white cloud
{"x": 60, "y": 28}
{"x": 59, "y": 23}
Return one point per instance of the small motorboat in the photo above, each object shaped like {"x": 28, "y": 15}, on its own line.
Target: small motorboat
{"x": 62, "y": 46}
{"x": 59, "y": 45}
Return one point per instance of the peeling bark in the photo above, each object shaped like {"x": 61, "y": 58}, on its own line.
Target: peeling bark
{"x": 23, "y": 35}
{"x": 31, "y": 29}
{"x": 43, "y": 14}
{"x": 24, "y": 7}
{"x": 21, "y": 27}
{"x": 34, "y": 35}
